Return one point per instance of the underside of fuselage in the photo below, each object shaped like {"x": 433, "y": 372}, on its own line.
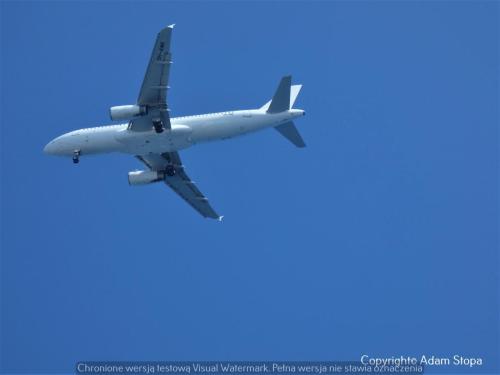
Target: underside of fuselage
{"x": 185, "y": 132}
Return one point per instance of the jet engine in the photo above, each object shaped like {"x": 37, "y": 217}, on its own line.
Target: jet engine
{"x": 144, "y": 177}
{"x": 126, "y": 112}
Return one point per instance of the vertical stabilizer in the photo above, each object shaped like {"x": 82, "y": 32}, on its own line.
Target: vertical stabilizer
{"x": 281, "y": 99}
{"x": 281, "y": 95}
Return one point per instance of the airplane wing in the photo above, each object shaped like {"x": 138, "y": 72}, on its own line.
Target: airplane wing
{"x": 153, "y": 92}
{"x": 180, "y": 181}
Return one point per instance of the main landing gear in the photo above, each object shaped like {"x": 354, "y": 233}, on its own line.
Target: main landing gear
{"x": 157, "y": 124}
{"x": 170, "y": 170}
{"x": 76, "y": 156}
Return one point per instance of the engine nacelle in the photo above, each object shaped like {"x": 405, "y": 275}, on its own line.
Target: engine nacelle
{"x": 144, "y": 177}
{"x": 126, "y": 112}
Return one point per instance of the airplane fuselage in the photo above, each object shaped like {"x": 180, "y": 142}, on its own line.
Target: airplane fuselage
{"x": 185, "y": 132}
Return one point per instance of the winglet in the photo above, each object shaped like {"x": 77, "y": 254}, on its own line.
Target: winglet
{"x": 220, "y": 218}
{"x": 171, "y": 26}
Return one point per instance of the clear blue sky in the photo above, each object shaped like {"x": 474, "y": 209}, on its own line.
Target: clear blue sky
{"x": 380, "y": 237}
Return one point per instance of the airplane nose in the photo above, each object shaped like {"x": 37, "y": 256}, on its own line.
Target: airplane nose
{"x": 49, "y": 148}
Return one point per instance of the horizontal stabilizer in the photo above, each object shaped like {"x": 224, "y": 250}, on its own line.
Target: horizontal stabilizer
{"x": 290, "y": 132}
{"x": 281, "y": 98}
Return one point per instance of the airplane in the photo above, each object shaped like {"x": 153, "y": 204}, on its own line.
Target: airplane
{"x": 155, "y": 138}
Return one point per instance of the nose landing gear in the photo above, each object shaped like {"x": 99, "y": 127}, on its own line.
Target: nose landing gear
{"x": 76, "y": 156}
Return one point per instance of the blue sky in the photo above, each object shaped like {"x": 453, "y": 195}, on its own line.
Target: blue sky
{"x": 379, "y": 238}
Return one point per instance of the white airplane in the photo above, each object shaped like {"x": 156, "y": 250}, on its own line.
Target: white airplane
{"x": 155, "y": 138}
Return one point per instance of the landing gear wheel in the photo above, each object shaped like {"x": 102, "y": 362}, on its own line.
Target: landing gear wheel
{"x": 158, "y": 126}
{"x": 76, "y": 157}
{"x": 170, "y": 170}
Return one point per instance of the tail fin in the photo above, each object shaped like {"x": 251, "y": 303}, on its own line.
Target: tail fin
{"x": 284, "y": 97}
{"x": 281, "y": 99}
